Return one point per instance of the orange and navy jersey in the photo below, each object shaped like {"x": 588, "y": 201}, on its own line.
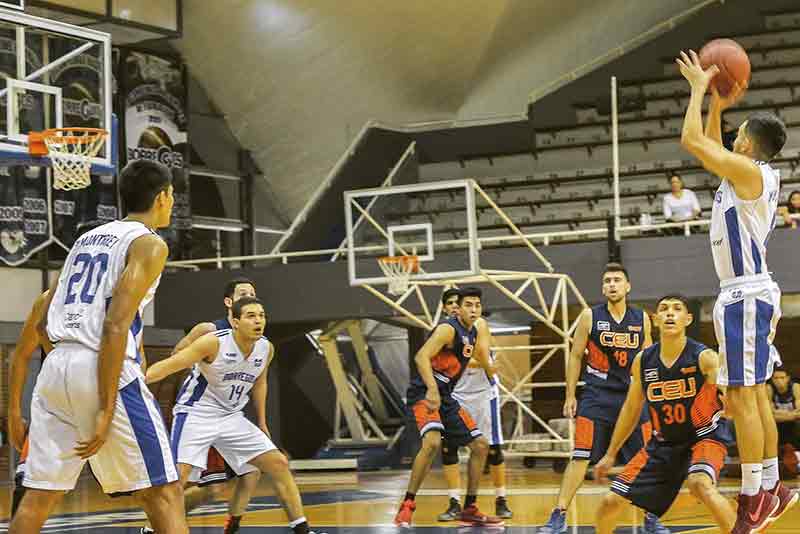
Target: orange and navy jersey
{"x": 612, "y": 347}
{"x": 449, "y": 364}
{"x": 683, "y": 407}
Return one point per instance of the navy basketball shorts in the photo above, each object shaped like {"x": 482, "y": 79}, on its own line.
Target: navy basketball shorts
{"x": 593, "y": 431}
{"x": 451, "y": 419}
{"x": 654, "y": 477}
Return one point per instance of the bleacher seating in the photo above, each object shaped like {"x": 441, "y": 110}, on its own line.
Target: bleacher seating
{"x": 559, "y": 197}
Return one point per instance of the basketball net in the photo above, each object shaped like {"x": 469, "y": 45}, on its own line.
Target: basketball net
{"x": 398, "y": 270}
{"x": 71, "y": 151}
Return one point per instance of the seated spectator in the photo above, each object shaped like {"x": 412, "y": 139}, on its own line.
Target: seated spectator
{"x": 681, "y": 204}
{"x": 792, "y": 207}
{"x": 784, "y": 393}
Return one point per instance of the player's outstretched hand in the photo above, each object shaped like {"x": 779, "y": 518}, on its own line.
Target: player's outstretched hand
{"x": 88, "y": 448}
{"x": 17, "y": 431}
{"x": 570, "y": 407}
{"x": 433, "y": 400}
{"x": 602, "y": 468}
{"x": 693, "y": 71}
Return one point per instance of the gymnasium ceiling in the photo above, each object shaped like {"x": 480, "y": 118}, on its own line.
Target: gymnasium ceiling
{"x": 297, "y": 79}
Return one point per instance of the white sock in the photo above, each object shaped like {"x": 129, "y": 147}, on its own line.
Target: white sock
{"x": 751, "y": 478}
{"x": 500, "y": 492}
{"x": 297, "y": 521}
{"x": 770, "y": 476}
{"x": 454, "y": 494}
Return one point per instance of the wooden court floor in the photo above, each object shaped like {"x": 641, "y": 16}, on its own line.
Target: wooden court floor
{"x": 365, "y": 503}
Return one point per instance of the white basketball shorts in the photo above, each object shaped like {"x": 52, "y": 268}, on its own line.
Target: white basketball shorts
{"x": 746, "y": 315}
{"x": 484, "y": 407}
{"x": 235, "y": 438}
{"x": 136, "y": 454}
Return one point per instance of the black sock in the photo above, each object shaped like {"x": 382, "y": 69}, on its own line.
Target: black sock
{"x": 233, "y": 524}
{"x": 410, "y": 496}
{"x": 470, "y": 500}
{"x": 302, "y": 528}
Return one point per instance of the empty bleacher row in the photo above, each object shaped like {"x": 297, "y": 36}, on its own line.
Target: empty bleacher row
{"x": 570, "y": 187}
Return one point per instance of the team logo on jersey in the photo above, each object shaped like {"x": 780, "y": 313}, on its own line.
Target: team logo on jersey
{"x": 669, "y": 390}
{"x": 258, "y": 361}
{"x": 619, "y": 340}
{"x": 230, "y": 355}
{"x": 650, "y": 375}
{"x": 736, "y": 294}
{"x": 603, "y": 325}
{"x": 689, "y": 370}
{"x": 635, "y": 328}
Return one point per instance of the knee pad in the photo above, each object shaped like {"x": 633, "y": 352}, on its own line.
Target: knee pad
{"x": 496, "y": 455}
{"x": 449, "y": 454}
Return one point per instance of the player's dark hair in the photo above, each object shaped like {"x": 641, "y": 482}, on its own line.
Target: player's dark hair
{"x": 469, "y": 292}
{"x": 238, "y": 306}
{"x": 675, "y": 296}
{"x": 140, "y": 182}
{"x": 781, "y": 369}
{"x": 614, "y": 267}
{"x": 230, "y": 287}
{"x": 768, "y": 134}
{"x": 449, "y": 293}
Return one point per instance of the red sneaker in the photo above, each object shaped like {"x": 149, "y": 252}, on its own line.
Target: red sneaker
{"x": 755, "y": 512}
{"x": 403, "y": 517}
{"x": 787, "y": 498}
{"x": 472, "y": 517}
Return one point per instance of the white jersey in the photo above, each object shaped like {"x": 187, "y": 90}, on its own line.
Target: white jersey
{"x": 740, "y": 228}
{"x": 475, "y": 382}
{"x": 223, "y": 386}
{"x": 91, "y": 272}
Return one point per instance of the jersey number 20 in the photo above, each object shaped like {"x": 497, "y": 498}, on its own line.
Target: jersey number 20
{"x": 86, "y": 265}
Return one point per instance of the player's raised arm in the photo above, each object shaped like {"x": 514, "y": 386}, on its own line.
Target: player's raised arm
{"x": 716, "y": 106}
{"x": 198, "y": 331}
{"x": 441, "y": 336}
{"x": 628, "y": 419}
{"x": 28, "y": 340}
{"x": 740, "y": 170}
{"x": 259, "y": 394}
{"x": 202, "y": 349}
{"x": 579, "y": 342}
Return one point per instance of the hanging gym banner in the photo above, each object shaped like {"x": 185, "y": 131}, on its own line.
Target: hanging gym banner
{"x": 156, "y": 129}
{"x": 23, "y": 213}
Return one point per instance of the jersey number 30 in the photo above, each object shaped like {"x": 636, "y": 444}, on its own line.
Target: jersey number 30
{"x": 86, "y": 265}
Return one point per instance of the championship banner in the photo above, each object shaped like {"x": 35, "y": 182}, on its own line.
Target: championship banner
{"x": 156, "y": 129}
{"x": 23, "y": 213}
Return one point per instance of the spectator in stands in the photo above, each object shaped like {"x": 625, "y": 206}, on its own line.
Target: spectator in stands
{"x": 680, "y": 204}
{"x": 792, "y": 207}
{"x": 784, "y": 393}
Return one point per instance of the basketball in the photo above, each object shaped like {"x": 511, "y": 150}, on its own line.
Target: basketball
{"x": 732, "y": 61}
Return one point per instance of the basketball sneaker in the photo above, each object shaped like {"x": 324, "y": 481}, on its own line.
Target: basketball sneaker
{"x": 232, "y": 524}
{"x": 453, "y": 511}
{"x": 557, "y": 524}
{"x": 755, "y": 512}
{"x": 472, "y": 517}
{"x": 787, "y": 498}
{"x": 653, "y": 526}
{"x": 146, "y": 530}
{"x": 403, "y": 517}
{"x": 501, "y": 508}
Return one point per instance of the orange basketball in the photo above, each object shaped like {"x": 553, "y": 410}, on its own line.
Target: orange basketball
{"x": 731, "y": 60}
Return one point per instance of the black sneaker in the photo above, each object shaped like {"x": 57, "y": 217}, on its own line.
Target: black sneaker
{"x": 147, "y": 530}
{"x": 453, "y": 511}
{"x": 501, "y": 509}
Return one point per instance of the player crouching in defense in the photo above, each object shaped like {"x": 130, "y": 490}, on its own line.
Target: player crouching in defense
{"x": 678, "y": 378}
{"x": 440, "y": 363}
{"x": 228, "y": 364}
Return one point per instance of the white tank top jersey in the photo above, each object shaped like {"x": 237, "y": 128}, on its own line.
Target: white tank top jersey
{"x": 223, "y": 386}
{"x": 91, "y": 272}
{"x": 740, "y": 228}
{"x": 474, "y": 381}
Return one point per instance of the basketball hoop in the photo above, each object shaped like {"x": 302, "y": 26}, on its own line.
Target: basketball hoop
{"x": 71, "y": 151}
{"x": 398, "y": 270}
